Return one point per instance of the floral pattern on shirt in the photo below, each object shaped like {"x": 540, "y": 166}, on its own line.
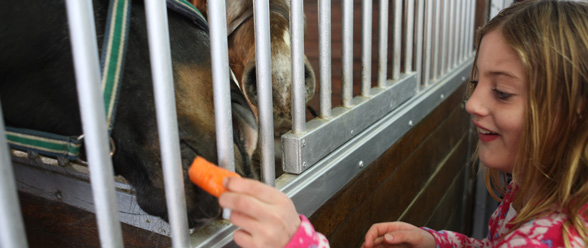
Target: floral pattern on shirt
{"x": 542, "y": 232}
{"x": 307, "y": 237}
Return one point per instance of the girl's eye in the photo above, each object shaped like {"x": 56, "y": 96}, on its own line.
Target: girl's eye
{"x": 501, "y": 95}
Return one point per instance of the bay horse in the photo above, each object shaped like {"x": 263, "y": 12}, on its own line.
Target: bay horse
{"x": 242, "y": 59}
{"x": 38, "y": 92}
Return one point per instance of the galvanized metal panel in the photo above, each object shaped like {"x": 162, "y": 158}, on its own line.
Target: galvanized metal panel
{"x": 300, "y": 151}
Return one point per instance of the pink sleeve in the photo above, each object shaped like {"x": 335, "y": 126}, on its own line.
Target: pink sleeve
{"x": 306, "y": 236}
{"x": 453, "y": 239}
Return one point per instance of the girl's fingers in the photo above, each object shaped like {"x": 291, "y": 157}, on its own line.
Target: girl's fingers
{"x": 243, "y": 238}
{"x": 263, "y": 192}
{"x": 246, "y": 222}
{"x": 244, "y": 204}
{"x": 375, "y": 235}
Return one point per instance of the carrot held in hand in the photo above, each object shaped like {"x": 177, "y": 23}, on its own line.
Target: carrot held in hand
{"x": 208, "y": 176}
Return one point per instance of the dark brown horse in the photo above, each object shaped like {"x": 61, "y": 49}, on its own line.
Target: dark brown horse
{"x": 38, "y": 91}
{"x": 242, "y": 57}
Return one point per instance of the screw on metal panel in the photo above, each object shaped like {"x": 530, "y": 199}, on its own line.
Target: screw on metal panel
{"x": 463, "y": 79}
{"x": 442, "y": 96}
{"x": 303, "y": 142}
{"x": 351, "y": 131}
{"x": 58, "y": 195}
{"x": 360, "y": 164}
{"x": 303, "y": 164}
{"x": 410, "y": 123}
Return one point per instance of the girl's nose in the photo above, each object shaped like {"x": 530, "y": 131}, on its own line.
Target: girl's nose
{"x": 475, "y": 105}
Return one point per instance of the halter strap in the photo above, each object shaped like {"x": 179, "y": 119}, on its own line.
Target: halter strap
{"x": 112, "y": 63}
{"x": 235, "y": 24}
{"x": 188, "y": 10}
{"x": 246, "y": 15}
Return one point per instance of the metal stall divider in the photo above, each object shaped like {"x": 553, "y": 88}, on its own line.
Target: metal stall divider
{"x": 332, "y": 148}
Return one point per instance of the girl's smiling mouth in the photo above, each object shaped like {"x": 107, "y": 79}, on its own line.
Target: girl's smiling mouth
{"x": 486, "y": 136}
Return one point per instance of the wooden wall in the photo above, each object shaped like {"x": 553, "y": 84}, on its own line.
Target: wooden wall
{"x": 54, "y": 224}
{"x": 423, "y": 179}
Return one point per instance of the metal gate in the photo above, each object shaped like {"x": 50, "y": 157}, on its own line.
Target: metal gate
{"x": 320, "y": 156}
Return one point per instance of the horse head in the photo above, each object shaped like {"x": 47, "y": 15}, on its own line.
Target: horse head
{"x": 38, "y": 92}
{"x": 241, "y": 41}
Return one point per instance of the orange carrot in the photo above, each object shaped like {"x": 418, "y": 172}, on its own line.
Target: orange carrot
{"x": 208, "y": 176}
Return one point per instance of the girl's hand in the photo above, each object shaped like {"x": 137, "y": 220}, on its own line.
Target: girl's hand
{"x": 266, "y": 216}
{"x": 397, "y": 234}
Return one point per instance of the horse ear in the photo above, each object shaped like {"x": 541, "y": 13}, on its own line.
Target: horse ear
{"x": 202, "y": 6}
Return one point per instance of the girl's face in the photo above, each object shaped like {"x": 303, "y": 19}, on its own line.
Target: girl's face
{"x": 498, "y": 102}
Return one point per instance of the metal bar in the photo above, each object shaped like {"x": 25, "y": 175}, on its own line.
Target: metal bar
{"x": 420, "y": 40}
{"x": 451, "y": 35}
{"x": 220, "y": 74}
{"x": 167, "y": 124}
{"x": 397, "y": 39}
{"x": 462, "y": 32}
{"x": 12, "y": 231}
{"x": 87, "y": 70}
{"x": 445, "y": 38}
{"x": 263, "y": 62}
{"x": 456, "y": 32}
{"x": 366, "y": 47}
{"x": 472, "y": 31}
{"x": 325, "y": 57}
{"x": 428, "y": 43}
{"x": 298, "y": 79}
{"x": 383, "y": 44}
{"x": 347, "y": 59}
{"x": 437, "y": 44}
{"x": 409, "y": 36}
{"x": 465, "y": 27}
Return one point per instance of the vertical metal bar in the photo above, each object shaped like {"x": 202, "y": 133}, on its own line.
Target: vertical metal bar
{"x": 383, "y": 43}
{"x": 220, "y": 74}
{"x": 456, "y": 32}
{"x": 419, "y": 45}
{"x": 437, "y": 44}
{"x": 263, "y": 62}
{"x": 12, "y": 231}
{"x": 465, "y": 27}
{"x": 366, "y": 47}
{"x": 298, "y": 79}
{"x": 409, "y": 35}
{"x": 462, "y": 32}
{"x": 347, "y": 62}
{"x": 87, "y": 70}
{"x": 325, "y": 57}
{"x": 451, "y": 39}
{"x": 167, "y": 124}
{"x": 428, "y": 43}
{"x": 472, "y": 31}
{"x": 445, "y": 38}
{"x": 397, "y": 39}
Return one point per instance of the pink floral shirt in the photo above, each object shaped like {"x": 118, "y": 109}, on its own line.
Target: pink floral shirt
{"x": 542, "y": 232}
{"x": 307, "y": 237}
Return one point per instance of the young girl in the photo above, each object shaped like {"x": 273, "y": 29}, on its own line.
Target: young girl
{"x": 528, "y": 99}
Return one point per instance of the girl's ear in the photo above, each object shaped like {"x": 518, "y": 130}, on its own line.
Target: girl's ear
{"x": 202, "y": 6}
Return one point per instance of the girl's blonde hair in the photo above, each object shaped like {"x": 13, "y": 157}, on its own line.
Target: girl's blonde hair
{"x": 551, "y": 170}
